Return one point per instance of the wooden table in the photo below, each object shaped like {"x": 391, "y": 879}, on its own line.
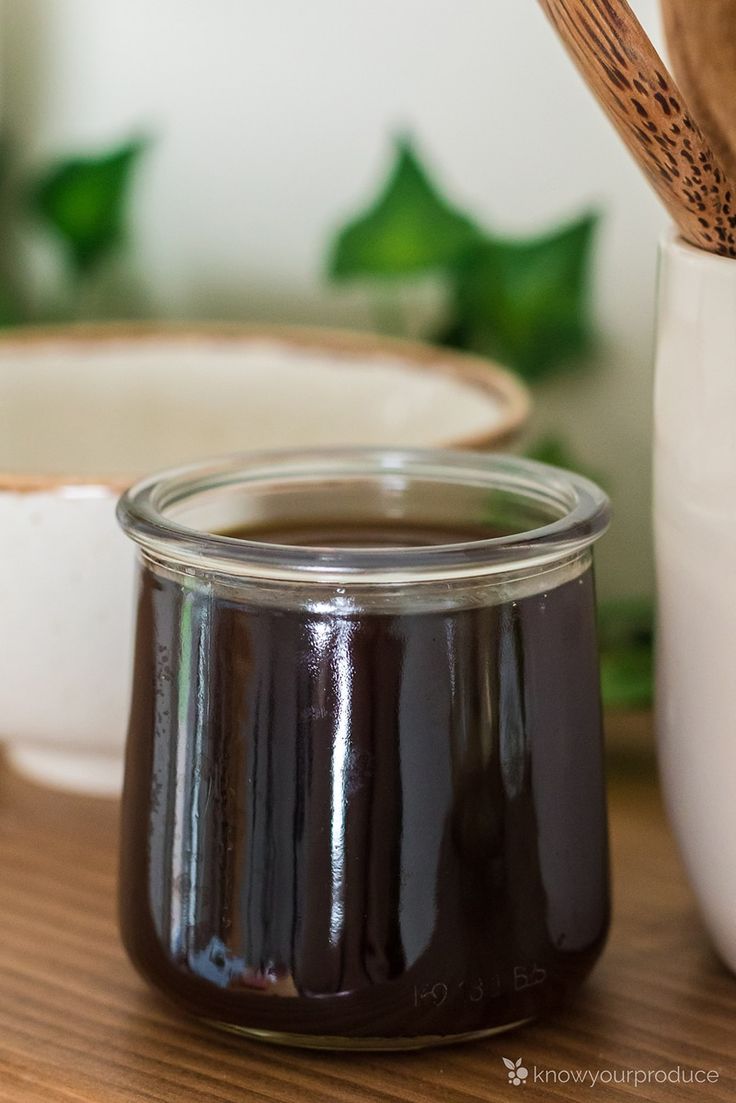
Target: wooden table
{"x": 78, "y": 1026}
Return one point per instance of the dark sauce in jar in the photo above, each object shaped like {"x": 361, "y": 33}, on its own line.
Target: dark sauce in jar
{"x": 384, "y": 827}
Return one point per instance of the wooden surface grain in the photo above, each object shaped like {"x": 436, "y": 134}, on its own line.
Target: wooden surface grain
{"x": 78, "y": 1026}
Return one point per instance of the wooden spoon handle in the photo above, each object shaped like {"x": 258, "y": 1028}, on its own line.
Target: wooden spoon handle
{"x": 701, "y": 39}
{"x": 627, "y": 75}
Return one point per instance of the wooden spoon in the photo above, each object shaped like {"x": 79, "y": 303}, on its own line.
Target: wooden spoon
{"x": 627, "y": 75}
{"x": 701, "y": 38}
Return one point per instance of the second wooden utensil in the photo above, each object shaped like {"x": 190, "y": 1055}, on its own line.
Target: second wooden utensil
{"x": 701, "y": 38}
{"x": 630, "y": 80}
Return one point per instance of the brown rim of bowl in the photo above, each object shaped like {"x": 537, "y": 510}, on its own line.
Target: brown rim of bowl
{"x": 483, "y": 374}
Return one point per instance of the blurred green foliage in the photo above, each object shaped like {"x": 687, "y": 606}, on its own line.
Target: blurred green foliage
{"x": 626, "y": 633}
{"x": 556, "y": 451}
{"x": 82, "y": 202}
{"x": 409, "y": 229}
{"x": 8, "y": 308}
{"x": 9, "y": 312}
{"x": 524, "y": 301}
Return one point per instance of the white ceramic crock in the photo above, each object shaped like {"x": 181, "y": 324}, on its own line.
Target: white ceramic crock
{"x": 695, "y": 529}
{"x": 84, "y": 412}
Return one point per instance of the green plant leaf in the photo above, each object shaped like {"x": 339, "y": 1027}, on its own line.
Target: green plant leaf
{"x": 626, "y": 634}
{"x": 506, "y": 513}
{"x": 4, "y": 159}
{"x": 409, "y": 229}
{"x": 556, "y": 451}
{"x": 9, "y": 312}
{"x": 527, "y": 302}
{"x": 84, "y": 200}
{"x": 627, "y": 678}
{"x": 626, "y": 621}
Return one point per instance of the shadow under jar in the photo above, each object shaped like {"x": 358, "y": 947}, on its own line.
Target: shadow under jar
{"x": 364, "y": 801}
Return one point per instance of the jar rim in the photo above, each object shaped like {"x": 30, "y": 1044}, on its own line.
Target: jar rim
{"x": 584, "y": 515}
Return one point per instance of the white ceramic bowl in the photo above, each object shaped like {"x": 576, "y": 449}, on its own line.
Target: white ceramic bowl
{"x": 84, "y": 411}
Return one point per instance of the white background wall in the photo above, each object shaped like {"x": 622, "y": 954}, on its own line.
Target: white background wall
{"x": 272, "y": 121}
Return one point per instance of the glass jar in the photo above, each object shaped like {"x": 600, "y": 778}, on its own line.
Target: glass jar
{"x": 364, "y": 801}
